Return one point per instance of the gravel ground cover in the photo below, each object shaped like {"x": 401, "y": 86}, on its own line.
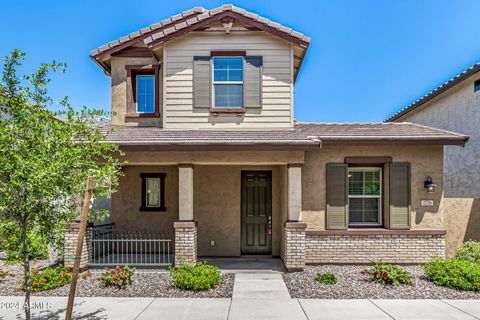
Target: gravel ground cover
{"x": 146, "y": 283}
{"x": 352, "y": 285}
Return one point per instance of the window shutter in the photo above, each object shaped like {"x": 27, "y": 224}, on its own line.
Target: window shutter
{"x": 399, "y": 195}
{"x": 252, "y": 82}
{"x": 201, "y": 82}
{"x": 337, "y": 205}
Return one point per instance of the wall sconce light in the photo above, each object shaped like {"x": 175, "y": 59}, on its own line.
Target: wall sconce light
{"x": 429, "y": 185}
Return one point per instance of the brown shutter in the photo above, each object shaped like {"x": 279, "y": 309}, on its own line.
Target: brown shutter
{"x": 399, "y": 195}
{"x": 252, "y": 82}
{"x": 201, "y": 82}
{"x": 337, "y": 204}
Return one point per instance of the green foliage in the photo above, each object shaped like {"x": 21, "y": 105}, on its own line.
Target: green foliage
{"x": 454, "y": 273}
{"x": 49, "y": 278}
{"x": 11, "y": 243}
{"x": 469, "y": 251}
{"x": 197, "y": 277}
{"x": 117, "y": 277}
{"x": 389, "y": 274}
{"x": 326, "y": 278}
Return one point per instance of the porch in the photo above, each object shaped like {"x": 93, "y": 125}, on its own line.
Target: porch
{"x": 203, "y": 209}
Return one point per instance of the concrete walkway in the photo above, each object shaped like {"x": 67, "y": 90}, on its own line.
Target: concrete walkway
{"x": 212, "y": 309}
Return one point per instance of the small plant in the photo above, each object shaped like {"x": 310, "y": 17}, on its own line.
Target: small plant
{"x": 389, "y": 274}
{"x": 86, "y": 275}
{"x": 3, "y": 274}
{"x": 118, "y": 277}
{"x": 326, "y": 278}
{"x": 454, "y": 273}
{"x": 469, "y": 251}
{"x": 197, "y": 277}
{"x": 49, "y": 278}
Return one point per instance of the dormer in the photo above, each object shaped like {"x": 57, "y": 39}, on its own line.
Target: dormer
{"x": 204, "y": 69}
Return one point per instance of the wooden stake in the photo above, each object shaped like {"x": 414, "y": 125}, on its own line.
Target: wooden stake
{"x": 78, "y": 253}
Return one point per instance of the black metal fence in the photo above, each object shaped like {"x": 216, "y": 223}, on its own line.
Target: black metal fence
{"x": 111, "y": 247}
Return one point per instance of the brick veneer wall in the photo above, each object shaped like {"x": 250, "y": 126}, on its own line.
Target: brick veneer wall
{"x": 185, "y": 242}
{"x": 396, "y": 246}
{"x": 293, "y": 254}
{"x": 70, "y": 245}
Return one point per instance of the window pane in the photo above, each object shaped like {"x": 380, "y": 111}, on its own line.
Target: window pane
{"x": 228, "y": 95}
{"x": 364, "y": 181}
{"x": 145, "y": 93}
{"x": 227, "y": 69}
{"x": 153, "y": 192}
{"x": 363, "y": 210}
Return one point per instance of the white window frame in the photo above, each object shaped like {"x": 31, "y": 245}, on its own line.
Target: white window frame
{"x": 379, "y": 197}
{"x": 225, "y": 82}
{"x": 136, "y": 98}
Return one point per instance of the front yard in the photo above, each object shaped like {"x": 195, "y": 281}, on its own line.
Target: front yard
{"x": 351, "y": 284}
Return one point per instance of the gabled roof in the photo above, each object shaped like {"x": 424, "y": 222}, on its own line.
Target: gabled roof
{"x": 192, "y": 20}
{"x": 437, "y": 91}
{"x": 304, "y": 136}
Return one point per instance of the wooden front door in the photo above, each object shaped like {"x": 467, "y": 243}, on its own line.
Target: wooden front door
{"x": 256, "y": 212}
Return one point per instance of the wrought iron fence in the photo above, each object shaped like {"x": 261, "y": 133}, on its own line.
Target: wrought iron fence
{"x": 111, "y": 247}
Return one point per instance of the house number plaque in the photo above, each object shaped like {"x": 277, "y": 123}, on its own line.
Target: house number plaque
{"x": 426, "y": 203}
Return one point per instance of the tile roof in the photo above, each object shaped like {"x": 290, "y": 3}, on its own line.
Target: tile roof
{"x": 303, "y": 135}
{"x": 195, "y": 15}
{"x": 435, "y": 92}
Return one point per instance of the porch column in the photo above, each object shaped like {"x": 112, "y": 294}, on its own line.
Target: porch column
{"x": 186, "y": 227}
{"x": 70, "y": 245}
{"x": 293, "y": 254}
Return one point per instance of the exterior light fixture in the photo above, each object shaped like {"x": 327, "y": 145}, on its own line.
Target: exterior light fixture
{"x": 429, "y": 185}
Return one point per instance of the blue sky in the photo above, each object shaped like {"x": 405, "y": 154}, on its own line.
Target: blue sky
{"x": 366, "y": 60}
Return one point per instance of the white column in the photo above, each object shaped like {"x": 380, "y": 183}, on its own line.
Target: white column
{"x": 294, "y": 191}
{"x": 185, "y": 192}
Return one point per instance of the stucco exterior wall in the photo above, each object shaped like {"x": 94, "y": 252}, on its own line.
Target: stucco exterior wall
{"x": 425, "y": 161}
{"x": 120, "y": 93}
{"x": 457, "y": 109}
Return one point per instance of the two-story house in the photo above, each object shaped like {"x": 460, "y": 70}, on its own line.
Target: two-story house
{"x": 455, "y": 106}
{"x": 204, "y": 111}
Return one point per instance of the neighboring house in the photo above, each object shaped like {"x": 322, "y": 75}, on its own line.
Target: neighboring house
{"x": 455, "y": 106}
{"x": 204, "y": 114}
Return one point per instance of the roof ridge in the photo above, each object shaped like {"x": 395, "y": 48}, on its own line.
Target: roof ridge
{"x": 458, "y": 78}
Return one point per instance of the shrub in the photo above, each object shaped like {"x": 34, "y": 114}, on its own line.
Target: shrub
{"x": 49, "y": 278}
{"x": 118, "y": 277}
{"x": 200, "y": 276}
{"x": 11, "y": 242}
{"x": 469, "y": 251}
{"x": 454, "y": 273}
{"x": 326, "y": 278}
{"x": 389, "y": 274}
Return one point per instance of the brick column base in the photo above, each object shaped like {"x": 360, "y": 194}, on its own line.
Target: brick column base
{"x": 293, "y": 254}
{"x": 185, "y": 242}
{"x": 70, "y": 245}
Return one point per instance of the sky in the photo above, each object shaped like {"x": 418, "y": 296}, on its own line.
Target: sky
{"x": 367, "y": 58}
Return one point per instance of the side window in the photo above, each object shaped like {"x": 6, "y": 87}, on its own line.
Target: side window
{"x": 364, "y": 196}
{"x": 476, "y": 85}
{"x": 145, "y": 93}
{"x": 153, "y": 192}
{"x": 227, "y": 85}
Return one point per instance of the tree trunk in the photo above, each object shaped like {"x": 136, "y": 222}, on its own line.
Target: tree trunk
{"x": 26, "y": 265}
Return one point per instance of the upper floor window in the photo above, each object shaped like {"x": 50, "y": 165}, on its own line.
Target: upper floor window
{"x": 227, "y": 82}
{"x": 364, "y": 195}
{"x": 145, "y": 93}
{"x": 476, "y": 85}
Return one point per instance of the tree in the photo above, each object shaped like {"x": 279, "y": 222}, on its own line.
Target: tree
{"x": 46, "y": 156}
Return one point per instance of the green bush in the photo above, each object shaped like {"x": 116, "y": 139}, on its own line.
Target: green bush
{"x": 454, "y": 273}
{"x": 49, "y": 278}
{"x": 118, "y": 277}
{"x": 11, "y": 243}
{"x": 389, "y": 274}
{"x": 326, "y": 278}
{"x": 469, "y": 251}
{"x": 200, "y": 276}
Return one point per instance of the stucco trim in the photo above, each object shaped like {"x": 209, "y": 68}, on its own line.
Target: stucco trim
{"x": 295, "y": 225}
{"x": 185, "y": 224}
{"x": 379, "y": 231}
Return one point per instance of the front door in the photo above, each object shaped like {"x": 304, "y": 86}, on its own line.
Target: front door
{"x": 257, "y": 212}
